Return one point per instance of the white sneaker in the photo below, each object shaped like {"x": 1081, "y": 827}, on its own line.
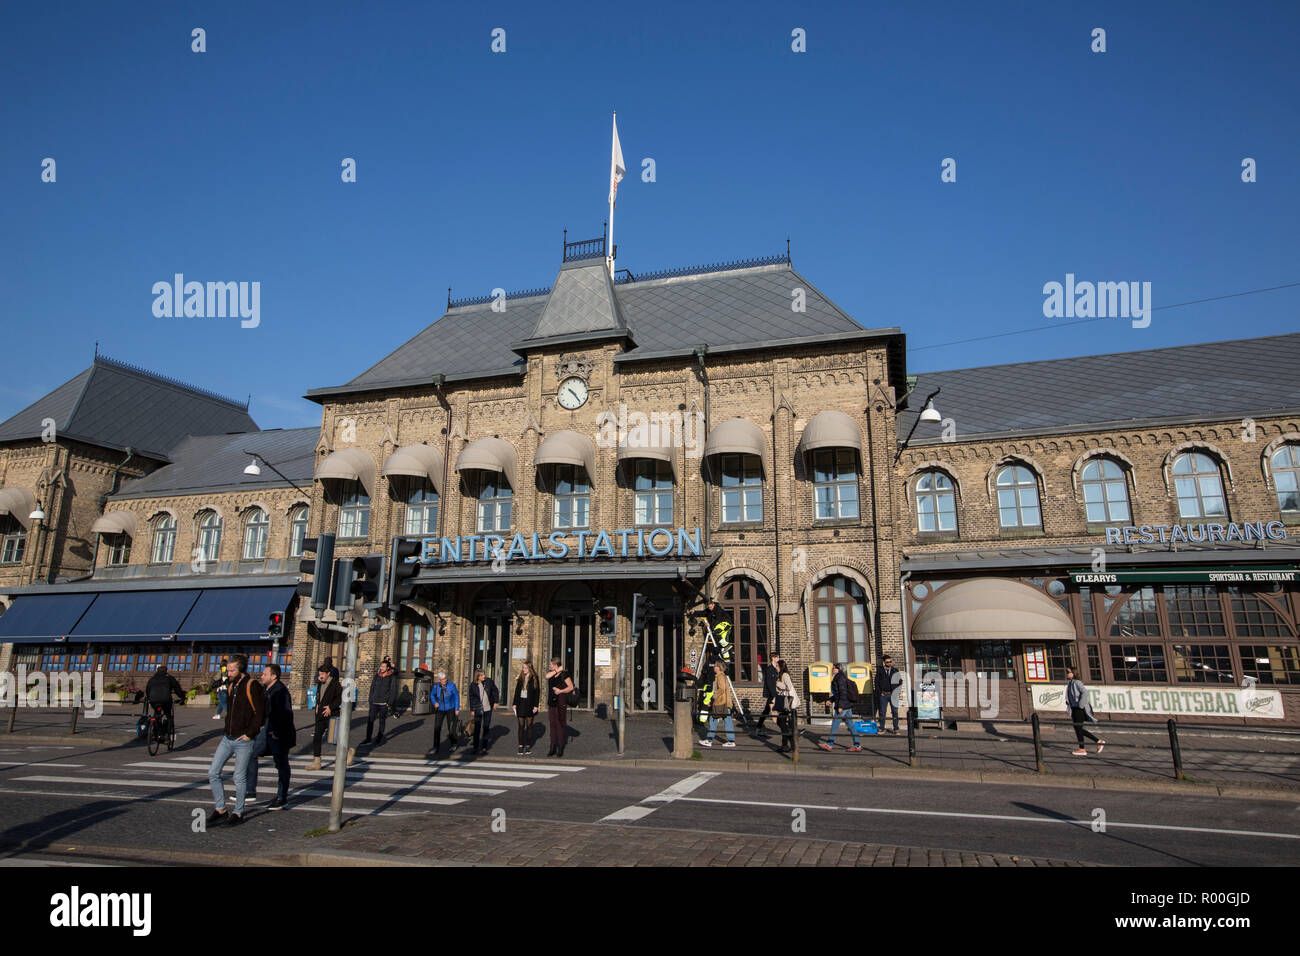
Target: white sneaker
{"x": 216, "y": 716}
{"x": 729, "y": 743}
{"x": 706, "y": 742}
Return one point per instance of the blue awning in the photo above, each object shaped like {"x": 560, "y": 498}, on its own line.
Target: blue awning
{"x": 135, "y": 616}
{"x": 43, "y": 618}
{"x": 234, "y": 614}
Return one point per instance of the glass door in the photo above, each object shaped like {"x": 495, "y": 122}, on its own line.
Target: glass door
{"x": 655, "y": 658}
{"x": 572, "y": 641}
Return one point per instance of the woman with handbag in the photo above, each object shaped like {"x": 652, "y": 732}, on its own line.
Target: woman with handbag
{"x": 787, "y": 707}
{"x": 557, "y": 704}
{"x": 527, "y": 700}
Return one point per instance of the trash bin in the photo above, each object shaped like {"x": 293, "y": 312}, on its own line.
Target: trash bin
{"x": 423, "y": 684}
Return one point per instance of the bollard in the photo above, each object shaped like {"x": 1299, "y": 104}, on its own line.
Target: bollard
{"x": 13, "y": 715}
{"x": 683, "y": 731}
{"x": 911, "y": 737}
{"x": 1038, "y": 743}
{"x": 1175, "y": 749}
{"x": 75, "y": 712}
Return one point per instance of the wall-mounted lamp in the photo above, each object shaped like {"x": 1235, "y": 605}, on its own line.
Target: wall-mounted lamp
{"x": 252, "y": 469}
{"x": 37, "y": 515}
{"x": 701, "y": 351}
{"x": 439, "y": 380}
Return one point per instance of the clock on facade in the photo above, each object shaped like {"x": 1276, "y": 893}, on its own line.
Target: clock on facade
{"x": 573, "y": 393}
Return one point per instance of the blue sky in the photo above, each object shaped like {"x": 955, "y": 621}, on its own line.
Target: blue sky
{"x": 225, "y": 166}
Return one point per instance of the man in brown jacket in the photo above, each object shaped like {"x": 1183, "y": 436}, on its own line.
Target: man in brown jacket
{"x": 244, "y": 715}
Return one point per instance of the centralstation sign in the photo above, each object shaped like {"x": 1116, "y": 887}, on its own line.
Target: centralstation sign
{"x": 559, "y": 545}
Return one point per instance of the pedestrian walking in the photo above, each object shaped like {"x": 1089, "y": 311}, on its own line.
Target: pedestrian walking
{"x": 383, "y": 695}
{"x": 560, "y": 686}
{"x": 887, "y": 689}
{"x": 245, "y": 712}
{"x": 446, "y": 705}
{"x": 221, "y": 685}
{"x": 1076, "y": 700}
{"x": 483, "y": 696}
{"x": 278, "y": 732}
{"x": 787, "y": 707}
{"x": 720, "y": 708}
{"x": 527, "y": 700}
{"x": 329, "y": 700}
{"x": 842, "y": 698}
{"x": 771, "y": 673}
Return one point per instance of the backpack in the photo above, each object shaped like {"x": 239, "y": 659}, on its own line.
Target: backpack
{"x": 851, "y": 690}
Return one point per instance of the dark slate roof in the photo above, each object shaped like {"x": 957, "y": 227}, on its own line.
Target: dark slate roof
{"x": 1212, "y": 379}
{"x": 119, "y": 406}
{"x": 583, "y": 300}
{"x": 732, "y": 306}
{"x": 212, "y": 463}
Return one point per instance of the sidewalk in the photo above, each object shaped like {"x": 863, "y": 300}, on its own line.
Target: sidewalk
{"x": 1223, "y": 759}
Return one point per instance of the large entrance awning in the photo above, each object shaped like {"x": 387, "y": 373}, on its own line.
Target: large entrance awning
{"x": 234, "y": 614}
{"x": 43, "y": 618}
{"x": 991, "y": 609}
{"x": 134, "y": 616}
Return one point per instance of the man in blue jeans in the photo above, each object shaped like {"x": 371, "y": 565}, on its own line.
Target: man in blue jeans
{"x": 244, "y": 715}
{"x": 888, "y": 680}
{"x": 841, "y": 708}
{"x": 720, "y": 708}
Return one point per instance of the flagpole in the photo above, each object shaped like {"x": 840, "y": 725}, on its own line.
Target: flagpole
{"x": 609, "y": 251}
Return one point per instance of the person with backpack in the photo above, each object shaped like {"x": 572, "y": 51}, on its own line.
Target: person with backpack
{"x": 844, "y": 694}
{"x": 483, "y": 696}
{"x": 1076, "y": 700}
{"x": 557, "y": 705}
{"x": 888, "y": 680}
{"x": 787, "y": 706}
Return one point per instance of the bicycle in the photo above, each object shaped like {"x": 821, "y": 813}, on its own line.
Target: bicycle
{"x": 161, "y": 730}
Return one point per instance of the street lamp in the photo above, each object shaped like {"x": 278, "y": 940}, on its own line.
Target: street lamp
{"x": 252, "y": 469}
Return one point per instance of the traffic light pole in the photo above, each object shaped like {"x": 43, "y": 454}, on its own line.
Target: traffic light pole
{"x": 345, "y": 727}
{"x": 622, "y": 695}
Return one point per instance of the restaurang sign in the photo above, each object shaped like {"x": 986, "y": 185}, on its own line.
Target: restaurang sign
{"x": 1196, "y": 701}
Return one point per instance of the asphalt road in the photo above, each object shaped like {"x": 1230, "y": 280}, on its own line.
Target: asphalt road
{"x": 65, "y": 796}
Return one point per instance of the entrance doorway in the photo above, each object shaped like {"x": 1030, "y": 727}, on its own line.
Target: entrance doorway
{"x": 573, "y": 637}
{"x": 657, "y": 653}
{"x": 492, "y": 626}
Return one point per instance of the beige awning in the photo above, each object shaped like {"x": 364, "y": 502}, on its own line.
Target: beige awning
{"x": 991, "y": 609}
{"x": 491, "y": 454}
{"x": 115, "y": 522}
{"x": 831, "y": 429}
{"x": 658, "y": 453}
{"x": 18, "y": 502}
{"x": 568, "y": 448}
{"x": 737, "y": 436}
{"x": 416, "y": 461}
{"x": 349, "y": 464}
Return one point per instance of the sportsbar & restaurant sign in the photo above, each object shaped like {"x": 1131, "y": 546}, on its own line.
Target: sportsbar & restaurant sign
{"x": 1200, "y": 701}
{"x": 621, "y": 543}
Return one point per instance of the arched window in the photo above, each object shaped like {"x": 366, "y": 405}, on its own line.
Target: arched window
{"x": 495, "y": 502}
{"x": 653, "y": 483}
{"x": 255, "y": 529}
{"x": 1199, "y": 486}
{"x": 14, "y": 537}
{"x": 745, "y": 603}
{"x": 164, "y": 540}
{"x": 209, "y": 535}
{"x": 1105, "y": 491}
{"x": 1017, "y": 490}
{"x": 354, "y": 511}
{"x": 421, "y": 508}
{"x": 1286, "y": 477}
{"x": 936, "y": 502}
{"x": 297, "y": 530}
{"x": 840, "y": 620}
{"x": 742, "y": 489}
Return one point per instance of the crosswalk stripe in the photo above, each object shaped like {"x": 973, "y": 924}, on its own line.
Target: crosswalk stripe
{"x": 199, "y": 762}
{"x": 358, "y": 773}
{"x": 315, "y": 785}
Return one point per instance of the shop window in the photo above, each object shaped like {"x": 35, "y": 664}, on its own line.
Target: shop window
{"x": 354, "y": 511}
{"x": 164, "y": 540}
{"x": 1094, "y": 663}
{"x": 297, "y": 531}
{"x": 936, "y": 503}
{"x": 839, "y": 610}
{"x": 1017, "y": 491}
{"x": 1059, "y": 657}
{"x": 1285, "y": 464}
{"x": 1253, "y": 617}
{"x": 14, "y": 537}
{"x": 572, "y": 508}
{"x": 1138, "y": 663}
{"x": 742, "y": 489}
{"x": 119, "y": 659}
{"x": 994, "y": 658}
{"x": 421, "y": 508}
{"x": 653, "y": 490}
{"x": 745, "y": 602}
{"x": 118, "y": 549}
{"x": 495, "y": 502}
{"x": 1194, "y": 611}
{"x": 1137, "y": 617}
{"x": 1086, "y": 612}
{"x": 415, "y": 648}
{"x": 255, "y": 530}
{"x": 54, "y": 659}
{"x": 1203, "y": 664}
{"x": 1271, "y": 664}
{"x": 209, "y": 535}
{"x": 1105, "y": 491}
{"x": 933, "y": 656}
{"x": 835, "y": 483}
{"x": 179, "y": 662}
{"x": 1199, "y": 486}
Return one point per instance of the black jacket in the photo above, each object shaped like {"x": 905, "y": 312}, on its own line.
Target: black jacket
{"x": 840, "y": 690}
{"x": 329, "y": 695}
{"x": 885, "y": 680}
{"x": 770, "y": 675}
{"x": 160, "y": 688}
{"x": 279, "y": 714}
{"x": 383, "y": 690}
{"x": 526, "y": 704}
{"x": 246, "y": 709}
{"x": 476, "y": 696}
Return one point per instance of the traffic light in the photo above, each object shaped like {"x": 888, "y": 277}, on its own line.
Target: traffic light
{"x": 608, "y": 620}
{"x": 341, "y": 600}
{"x": 400, "y": 572}
{"x": 368, "y": 579}
{"x": 318, "y": 588}
{"x": 276, "y": 625}
{"x": 641, "y": 607}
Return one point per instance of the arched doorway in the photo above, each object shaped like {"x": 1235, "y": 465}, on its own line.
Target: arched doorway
{"x": 658, "y": 650}
{"x": 573, "y": 637}
{"x": 491, "y": 624}
{"x": 839, "y": 614}
{"x": 745, "y": 601}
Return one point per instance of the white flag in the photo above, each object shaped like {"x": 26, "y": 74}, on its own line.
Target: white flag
{"x": 616, "y": 167}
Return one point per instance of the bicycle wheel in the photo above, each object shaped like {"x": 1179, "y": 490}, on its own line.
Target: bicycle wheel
{"x": 155, "y": 742}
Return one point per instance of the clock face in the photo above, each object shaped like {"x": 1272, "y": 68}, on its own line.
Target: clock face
{"x": 573, "y": 393}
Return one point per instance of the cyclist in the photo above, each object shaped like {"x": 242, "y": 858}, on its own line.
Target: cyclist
{"x": 159, "y": 692}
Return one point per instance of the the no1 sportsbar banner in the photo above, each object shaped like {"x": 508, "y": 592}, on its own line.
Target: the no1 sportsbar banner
{"x": 1174, "y": 701}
